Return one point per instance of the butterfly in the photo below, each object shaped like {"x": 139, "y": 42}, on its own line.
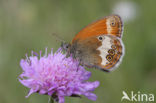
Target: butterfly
{"x": 99, "y": 45}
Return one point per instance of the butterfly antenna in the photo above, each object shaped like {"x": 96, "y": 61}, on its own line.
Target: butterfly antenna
{"x": 58, "y": 39}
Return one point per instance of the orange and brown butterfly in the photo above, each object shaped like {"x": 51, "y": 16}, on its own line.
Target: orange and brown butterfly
{"x": 99, "y": 44}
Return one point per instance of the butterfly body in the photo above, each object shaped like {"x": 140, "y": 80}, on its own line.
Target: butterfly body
{"x": 99, "y": 44}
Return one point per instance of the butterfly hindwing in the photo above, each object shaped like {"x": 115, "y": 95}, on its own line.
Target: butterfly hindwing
{"x": 111, "y": 52}
{"x": 86, "y": 51}
{"x": 104, "y": 52}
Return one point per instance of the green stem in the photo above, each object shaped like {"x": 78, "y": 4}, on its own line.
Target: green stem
{"x": 51, "y": 100}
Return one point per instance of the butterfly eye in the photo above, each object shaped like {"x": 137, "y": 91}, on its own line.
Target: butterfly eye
{"x": 100, "y": 38}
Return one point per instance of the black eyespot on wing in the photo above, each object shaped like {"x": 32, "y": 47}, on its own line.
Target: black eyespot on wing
{"x": 111, "y": 52}
{"x": 100, "y": 38}
{"x": 113, "y": 23}
{"x": 109, "y": 58}
{"x": 113, "y": 47}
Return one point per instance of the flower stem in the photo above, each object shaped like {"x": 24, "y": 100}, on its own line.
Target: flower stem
{"x": 51, "y": 100}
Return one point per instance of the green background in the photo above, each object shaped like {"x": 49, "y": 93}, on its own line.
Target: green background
{"x": 27, "y": 25}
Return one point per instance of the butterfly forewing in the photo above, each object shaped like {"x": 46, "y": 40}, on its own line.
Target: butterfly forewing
{"x": 109, "y": 25}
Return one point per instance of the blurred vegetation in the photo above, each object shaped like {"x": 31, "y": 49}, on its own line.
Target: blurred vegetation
{"x": 27, "y": 25}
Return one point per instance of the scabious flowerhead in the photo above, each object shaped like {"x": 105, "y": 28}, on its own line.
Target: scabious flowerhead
{"x": 57, "y": 76}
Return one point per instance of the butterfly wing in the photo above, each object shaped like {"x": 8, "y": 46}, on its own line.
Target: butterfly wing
{"x": 86, "y": 51}
{"x": 99, "y": 44}
{"x": 111, "y": 52}
{"x": 110, "y": 25}
{"x": 105, "y": 54}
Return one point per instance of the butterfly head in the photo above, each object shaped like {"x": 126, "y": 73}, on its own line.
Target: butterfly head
{"x": 65, "y": 46}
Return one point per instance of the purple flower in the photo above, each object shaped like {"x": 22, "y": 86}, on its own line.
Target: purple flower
{"x": 57, "y": 76}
